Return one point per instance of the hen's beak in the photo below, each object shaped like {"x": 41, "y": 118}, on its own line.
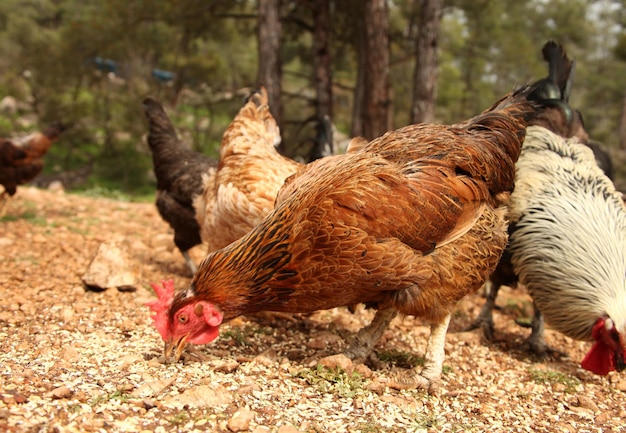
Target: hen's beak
{"x": 177, "y": 345}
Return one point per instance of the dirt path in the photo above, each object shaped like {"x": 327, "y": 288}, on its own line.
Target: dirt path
{"x": 77, "y": 360}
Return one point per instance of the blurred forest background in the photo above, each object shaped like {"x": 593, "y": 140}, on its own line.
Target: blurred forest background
{"x": 370, "y": 65}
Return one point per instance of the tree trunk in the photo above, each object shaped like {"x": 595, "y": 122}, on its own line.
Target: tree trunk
{"x": 270, "y": 73}
{"x": 622, "y": 127}
{"x": 321, "y": 58}
{"x": 359, "y": 87}
{"x": 376, "y": 116}
{"x": 426, "y": 62}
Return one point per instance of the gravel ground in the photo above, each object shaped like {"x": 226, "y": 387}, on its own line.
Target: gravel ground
{"x": 79, "y": 360}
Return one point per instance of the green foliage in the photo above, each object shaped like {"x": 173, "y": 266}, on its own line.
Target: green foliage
{"x": 333, "y": 381}
{"x": 553, "y": 377}
{"x": 400, "y": 359}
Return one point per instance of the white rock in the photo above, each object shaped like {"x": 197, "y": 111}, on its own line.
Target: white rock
{"x": 111, "y": 268}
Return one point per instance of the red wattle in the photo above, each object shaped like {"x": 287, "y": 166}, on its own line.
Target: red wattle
{"x": 598, "y": 360}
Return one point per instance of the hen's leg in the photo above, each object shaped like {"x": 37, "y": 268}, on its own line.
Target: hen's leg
{"x": 430, "y": 376}
{"x": 536, "y": 342}
{"x": 485, "y": 317}
{"x": 368, "y": 336}
{"x": 4, "y": 200}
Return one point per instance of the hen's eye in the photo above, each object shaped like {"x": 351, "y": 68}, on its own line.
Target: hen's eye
{"x": 183, "y": 318}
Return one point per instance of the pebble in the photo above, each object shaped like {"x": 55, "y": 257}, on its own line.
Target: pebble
{"x": 241, "y": 420}
{"x": 586, "y": 402}
{"x": 338, "y": 361}
{"x": 199, "y": 396}
{"x": 150, "y": 389}
{"x": 61, "y": 392}
{"x": 621, "y": 385}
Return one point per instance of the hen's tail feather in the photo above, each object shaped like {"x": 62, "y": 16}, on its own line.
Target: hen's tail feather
{"x": 560, "y": 67}
{"x": 557, "y": 85}
{"x": 55, "y": 129}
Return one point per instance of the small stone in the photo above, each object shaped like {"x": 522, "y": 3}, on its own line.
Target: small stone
{"x": 61, "y": 392}
{"x": 603, "y": 417}
{"x": 148, "y": 403}
{"x": 586, "y": 402}
{"x": 268, "y": 358}
{"x": 226, "y": 366}
{"x": 338, "y": 361}
{"x": 621, "y": 385}
{"x": 241, "y": 420}
{"x": 363, "y": 370}
{"x": 150, "y": 389}
{"x": 261, "y": 429}
{"x": 199, "y": 396}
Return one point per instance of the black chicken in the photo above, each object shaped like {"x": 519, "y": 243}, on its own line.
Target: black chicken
{"x": 179, "y": 172}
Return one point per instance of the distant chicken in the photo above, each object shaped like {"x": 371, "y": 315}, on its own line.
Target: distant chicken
{"x": 410, "y": 223}
{"x": 567, "y": 234}
{"x": 568, "y": 246}
{"x": 553, "y": 92}
{"x": 21, "y": 159}
{"x": 179, "y": 171}
{"x": 249, "y": 175}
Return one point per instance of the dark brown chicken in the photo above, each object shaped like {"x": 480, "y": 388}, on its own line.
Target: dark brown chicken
{"x": 21, "y": 159}
{"x": 553, "y": 93}
{"x": 410, "y": 223}
{"x": 179, "y": 171}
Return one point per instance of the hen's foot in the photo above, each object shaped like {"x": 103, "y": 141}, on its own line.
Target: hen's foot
{"x": 539, "y": 348}
{"x": 414, "y": 380}
{"x": 536, "y": 342}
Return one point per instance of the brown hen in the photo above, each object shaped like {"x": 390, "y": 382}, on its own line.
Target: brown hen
{"x": 21, "y": 159}
{"x": 250, "y": 173}
{"x": 409, "y": 223}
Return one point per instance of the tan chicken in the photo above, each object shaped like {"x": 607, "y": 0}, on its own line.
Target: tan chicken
{"x": 250, "y": 173}
{"x": 410, "y": 223}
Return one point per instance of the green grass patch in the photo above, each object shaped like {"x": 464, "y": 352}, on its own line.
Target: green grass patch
{"x": 553, "y": 377}
{"x": 117, "y": 395}
{"x": 402, "y": 359}
{"x": 333, "y": 381}
{"x": 240, "y": 334}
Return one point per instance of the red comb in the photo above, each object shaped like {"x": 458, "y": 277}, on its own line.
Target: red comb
{"x": 165, "y": 295}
